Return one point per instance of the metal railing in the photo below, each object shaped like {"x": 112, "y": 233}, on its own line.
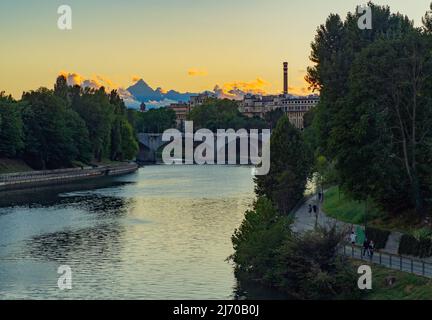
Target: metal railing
{"x": 392, "y": 261}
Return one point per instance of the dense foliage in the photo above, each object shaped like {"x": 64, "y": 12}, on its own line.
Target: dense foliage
{"x": 290, "y": 165}
{"x": 418, "y": 247}
{"x": 154, "y": 120}
{"x": 52, "y": 129}
{"x": 374, "y": 118}
{"x": 266, "y": 250}
{"x": 378, "y": 236}
{"x": 303, "y": 266}
{"x": 217, "y": 114}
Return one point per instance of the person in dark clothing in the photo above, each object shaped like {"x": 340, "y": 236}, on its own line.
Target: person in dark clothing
{"x": 315, "y": 209}
{"x": 365, "y": 247}
{"x": 310, "y": 209}
{"x": 371, "y": 249}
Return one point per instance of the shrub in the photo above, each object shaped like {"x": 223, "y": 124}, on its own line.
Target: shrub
{"x": 256, "y": 241}
{"x": 309, "y": 267}
{"x": 378, "y": 236}
{"x": 409, "y": 245}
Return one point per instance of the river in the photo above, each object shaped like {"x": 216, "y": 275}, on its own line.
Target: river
{"x": 161, "y": 233}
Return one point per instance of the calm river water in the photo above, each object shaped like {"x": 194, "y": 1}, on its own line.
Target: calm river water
{"x": 162, "y": 233}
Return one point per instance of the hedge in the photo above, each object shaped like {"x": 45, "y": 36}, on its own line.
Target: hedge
{"x": 378, "y": 236}
{"x": 413, "y": 247}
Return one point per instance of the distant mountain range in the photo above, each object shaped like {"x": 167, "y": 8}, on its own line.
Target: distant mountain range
{"x": 142, "y": 92}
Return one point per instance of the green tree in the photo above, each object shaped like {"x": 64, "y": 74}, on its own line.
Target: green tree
{"x": 289, "y": 168}
{"x": 387, "y": 150}
{"x": 11, "y": 128}
{"x": 217, "y": 114}
{"x": 80, "y": 136}
{"x": 129, "y": 144}
{"x": 256, "y": 241}
{"x": 309, "y": 267}
{"x": 155, "y": 120}
{"x": 427, "y": 21}
{"x": 272, "y": 117}
{"x": 95, "y": 109}
{"x": 48, "y": 140}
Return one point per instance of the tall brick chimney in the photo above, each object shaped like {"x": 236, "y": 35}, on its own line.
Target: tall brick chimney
{"x": 285, "y": 69}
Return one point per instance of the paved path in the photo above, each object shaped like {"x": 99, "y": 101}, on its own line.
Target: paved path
{"x": 404, "y": 264}
{"x": 388, "y": 257}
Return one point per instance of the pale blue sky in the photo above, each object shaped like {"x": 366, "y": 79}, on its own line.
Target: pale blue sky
{"x": 227, "y": 41}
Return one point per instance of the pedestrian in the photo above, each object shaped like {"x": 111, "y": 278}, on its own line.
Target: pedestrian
{"x": 365, "y": 247}
{"x": 353, "y": 238}
{"x": 315, "y": 209}
{"x": 371, "y": 249}
{"x": 310, "y": 209}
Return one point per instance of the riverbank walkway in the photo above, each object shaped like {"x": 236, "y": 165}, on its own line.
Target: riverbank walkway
{"x": 34, "y": 179}
{"x": 305, "y": 221}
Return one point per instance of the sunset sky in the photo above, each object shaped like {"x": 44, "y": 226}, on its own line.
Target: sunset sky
{"x": 186, "y": 45}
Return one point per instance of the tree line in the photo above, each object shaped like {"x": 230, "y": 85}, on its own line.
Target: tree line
{"x": 267, "y": 251}
{"x": 216, "y": 114}
{"x": 51, "y": 129}
{"x": 374, "y": 119}
{"x": 371, "y": 133}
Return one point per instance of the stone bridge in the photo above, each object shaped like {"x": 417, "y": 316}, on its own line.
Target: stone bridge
{"x": 149, "y": 144}
{"x": 152, "y": 143}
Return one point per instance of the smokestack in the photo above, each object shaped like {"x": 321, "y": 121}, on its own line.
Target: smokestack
{"x": 285, "y": 67}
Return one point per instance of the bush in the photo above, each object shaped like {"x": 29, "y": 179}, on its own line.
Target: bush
{"x": 378, "y": 236}
{"x": 256, "y": 241}
{"x": 409, "y": 245}
{"x": 309, "y": 267}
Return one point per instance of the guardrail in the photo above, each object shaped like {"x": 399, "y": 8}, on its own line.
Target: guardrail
{"x": 392, "y": 261}
{"x": 63, "y": 174}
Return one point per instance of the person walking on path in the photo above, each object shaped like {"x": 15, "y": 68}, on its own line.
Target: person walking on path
{"x": 365, "y": 247}
{"x": 371, "y": 249}
{"x": 315, "y": 210}
{"x": 353, "y": 238}
{"x": 310, "y": 209}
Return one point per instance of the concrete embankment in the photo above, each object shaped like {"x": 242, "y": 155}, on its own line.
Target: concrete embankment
{"x": 36, "y": 179}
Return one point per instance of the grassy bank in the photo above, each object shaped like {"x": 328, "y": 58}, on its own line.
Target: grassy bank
{"x": 406, "y": 287}
{"x": 339, "y": 206}
{"x": 11, "y": 166}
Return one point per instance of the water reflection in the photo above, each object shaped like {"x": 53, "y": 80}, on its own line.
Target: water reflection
{"x": 103, "y": 242}
{"x": 48, "y": 196}
{"x": 163, "y": 233}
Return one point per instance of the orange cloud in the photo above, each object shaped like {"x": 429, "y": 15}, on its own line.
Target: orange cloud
{"x": 299, "y": 91}
{"x": 136, "y": 79}
{"x": 237, "y": 89}
{"x": 197, "y": 72}
{"x": 95, "y": 82}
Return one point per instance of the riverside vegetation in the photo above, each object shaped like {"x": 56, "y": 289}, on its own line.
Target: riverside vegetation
{"x": 67, "y": 126}
{"x": 370, "y": 135}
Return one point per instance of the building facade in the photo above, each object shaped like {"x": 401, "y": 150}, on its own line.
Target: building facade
{"x": 182, "y": 111}
{"x": 294, "y": 107}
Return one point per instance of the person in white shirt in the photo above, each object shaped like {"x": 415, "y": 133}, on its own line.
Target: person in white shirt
{"x": 353, "y": 238}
